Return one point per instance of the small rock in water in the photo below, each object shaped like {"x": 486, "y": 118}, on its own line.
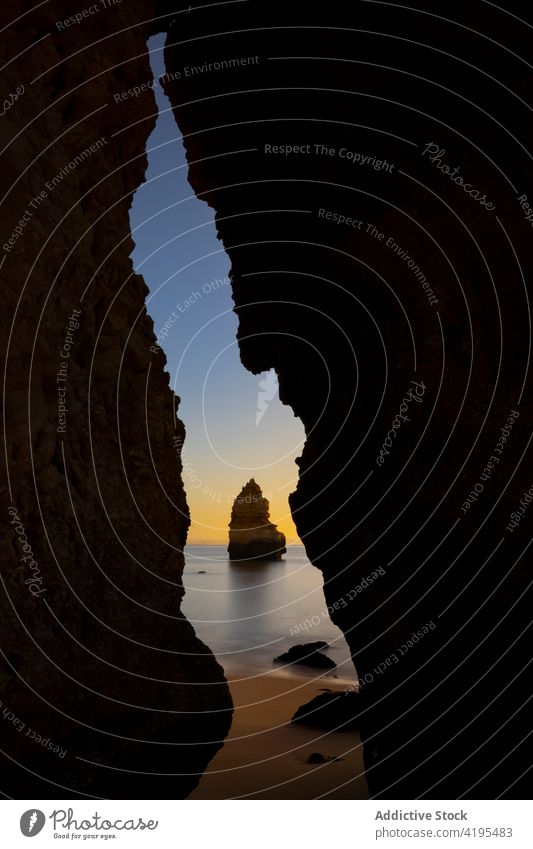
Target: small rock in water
{"x": 202, "y": 572}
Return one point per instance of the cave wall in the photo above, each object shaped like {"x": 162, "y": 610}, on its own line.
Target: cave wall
{"x": 97, "y": 658}
{"x": 407, "y": 366}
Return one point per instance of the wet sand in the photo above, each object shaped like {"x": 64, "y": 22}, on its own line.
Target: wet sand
{"x": 264, "y": 756}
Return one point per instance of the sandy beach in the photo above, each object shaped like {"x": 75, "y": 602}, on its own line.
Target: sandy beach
{"x": 264, "y": 756}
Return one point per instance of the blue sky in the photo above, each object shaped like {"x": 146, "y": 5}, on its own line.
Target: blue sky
{"x": 225, "y": 446}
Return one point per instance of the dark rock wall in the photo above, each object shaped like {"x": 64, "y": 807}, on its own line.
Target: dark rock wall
{"x": 97, "y": 658}
{"x": 404, "y": 363}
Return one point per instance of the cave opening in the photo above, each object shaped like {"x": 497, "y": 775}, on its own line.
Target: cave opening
{"x": 236, "y": 429}
{"x": 236, "y": 426}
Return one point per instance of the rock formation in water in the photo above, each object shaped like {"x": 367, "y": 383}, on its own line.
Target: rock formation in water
{"x": 97, "y": 659}
{"x": 365, "y": 167}
{"x": 252, "y": 536}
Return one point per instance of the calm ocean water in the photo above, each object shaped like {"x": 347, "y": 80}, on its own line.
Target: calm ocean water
{"x": 245, "y": 611}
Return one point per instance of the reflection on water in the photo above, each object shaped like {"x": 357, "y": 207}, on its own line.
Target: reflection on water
{"x": 245, "y": 612}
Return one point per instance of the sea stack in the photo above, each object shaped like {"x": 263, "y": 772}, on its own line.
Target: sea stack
{"x": 251, "y": 535}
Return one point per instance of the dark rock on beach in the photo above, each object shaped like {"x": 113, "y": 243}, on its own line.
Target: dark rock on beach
{"x": 319, "y": 758}
{"x": 330, "y": 711}
{"x": 307, "y": 654}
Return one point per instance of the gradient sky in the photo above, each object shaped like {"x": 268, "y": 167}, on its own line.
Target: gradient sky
{"x": 181, "y": 260}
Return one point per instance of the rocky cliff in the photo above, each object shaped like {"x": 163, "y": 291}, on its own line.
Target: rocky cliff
{"x": 105, "y": 690}
{"x": 251, "y": 534}
{"x": 372, "y": 188}
{"x": 372, "y": 185}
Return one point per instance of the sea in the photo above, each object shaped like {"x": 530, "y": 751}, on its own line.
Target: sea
{"x": 250, "y": 612}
